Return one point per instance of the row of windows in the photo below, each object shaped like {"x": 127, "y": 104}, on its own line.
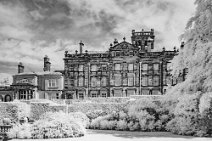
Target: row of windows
{"x": 118, "y": 66}
{"x": 118, "y": 80}
{"x": 150, "y": 81}
{"x": 130, "y": 81}
{"x": 94, "y": 67}
{"x": 123, "y": 53}
{"x": 95, "y": 82}
{"x": 146, "y": 67}
{"x": 125, "y": 66}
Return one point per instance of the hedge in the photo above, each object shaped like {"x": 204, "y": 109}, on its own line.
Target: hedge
{"x": 13, "y": 110}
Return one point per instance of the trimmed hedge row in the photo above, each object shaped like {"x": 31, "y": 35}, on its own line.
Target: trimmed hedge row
{"x": 106, "y": 107}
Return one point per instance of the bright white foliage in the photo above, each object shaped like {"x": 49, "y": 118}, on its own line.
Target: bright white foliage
{"x": 197, "y": 52}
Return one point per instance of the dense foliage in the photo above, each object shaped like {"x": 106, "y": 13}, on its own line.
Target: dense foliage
{"x": 52, "y": 125}
{"x": 140, "y": 115}
{"x": 13, "y": 111}
{"x": 190, "y": 101}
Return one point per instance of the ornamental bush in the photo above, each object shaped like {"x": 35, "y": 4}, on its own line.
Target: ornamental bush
{"x": 50, "y": 125}
{"x": 38, "y": 109}
{"x": 14, "y": 111}
{"x": 186, "y": 116}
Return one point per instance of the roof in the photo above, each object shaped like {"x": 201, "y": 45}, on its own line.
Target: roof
{"x": 123, "y": 46}
{"x": 39, "y": 73}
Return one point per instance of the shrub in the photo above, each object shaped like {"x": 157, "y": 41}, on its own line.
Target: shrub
{"x": 38, "y": 109}
{"x": 95, "y": 124}
{"x": 133, "y": 126}
{"x": 80, "y": 118}
{"x": 186, "y": 116}
{"x": 92, "y": 114}
{"x": 14, "y": 111}
{"x": 50, "y": 125}
{"x": 20, "y": 131}
{"x": 121, "y": 125}
{"x": 86, "y": 107}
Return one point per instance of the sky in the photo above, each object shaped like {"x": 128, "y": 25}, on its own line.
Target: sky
{"x": 31, "y": 29}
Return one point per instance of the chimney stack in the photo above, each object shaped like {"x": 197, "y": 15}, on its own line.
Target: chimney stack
{"x": 47, "y": 64}
{"x": 182, "y": 45}
{"x": 81, "y": 45}
{"x": 20, "y": 68}
{"x": 115, "y": 42}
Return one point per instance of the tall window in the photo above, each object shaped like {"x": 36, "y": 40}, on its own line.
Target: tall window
{"x": 156, "y": 81}
{"x": 156, "y": 68}
{"x": 93, "y": 81}
{"x": 130, "y": 80}
{"x": 124, "y": 66}
{"x": 81, "y": 81}
{"x": 118, "y": 79}
{"x": 22, "y": 94}
{"x": 75, "y": 67}
{"x": 93, "y": 67}
{"x": 150, "y": 81}
{"x": 81, "y": 67}
{"x": 52, "y": 83}
{"x": 104, "y": 67}
{"x": 104, "y": 81}
{"x": 144, "y": 67}
{"x": 164, "y": 80}
{"x": 117, "y": 66}
{"x": 144, "y": 81}
{"x": 130, "y": 67}
{"x": 75, "y": 82}
{"x": 150, "y": 68}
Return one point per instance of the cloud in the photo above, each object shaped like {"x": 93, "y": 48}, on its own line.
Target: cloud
{"x": 29, "y": 30}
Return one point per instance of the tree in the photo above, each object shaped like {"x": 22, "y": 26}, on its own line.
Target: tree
{"x": 196, "y": 54}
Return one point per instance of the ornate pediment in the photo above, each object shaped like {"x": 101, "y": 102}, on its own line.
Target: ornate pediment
{"x": 123, "y": 46}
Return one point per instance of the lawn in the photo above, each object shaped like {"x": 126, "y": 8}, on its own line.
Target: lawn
{"x": 107, "y": 135}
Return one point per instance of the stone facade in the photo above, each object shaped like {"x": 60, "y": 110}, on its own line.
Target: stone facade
{"x": 6, "y": 94}
{"x": 37, "y": 85}
{"x": 125, "y": 69}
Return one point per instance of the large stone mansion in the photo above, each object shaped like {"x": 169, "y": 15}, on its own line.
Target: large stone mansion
{"x": 125, "y": 69}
